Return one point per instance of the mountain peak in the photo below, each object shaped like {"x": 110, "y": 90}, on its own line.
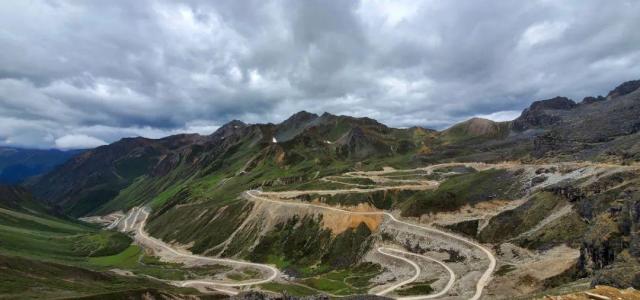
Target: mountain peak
{"x": 557, "y": 102}
{"x": 327, "y": 115}
{"x": 473, "y": 127}
{"x": 235, "y": 123}
{"x": 624, "y": 89}
{"x": 537, "y": 116}
{"x": 301, "y": 116}
{"x": 228, "y": 128}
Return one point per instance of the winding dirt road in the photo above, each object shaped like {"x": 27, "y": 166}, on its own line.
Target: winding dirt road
{"x": 484, "y": 280}
{"x": 133, "y": 218}
{"x": 452, "y": 275}
{"x": 142, "y": 237}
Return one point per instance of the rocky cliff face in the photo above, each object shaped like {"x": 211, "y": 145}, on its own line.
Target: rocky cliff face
{"x": 592, "y": 129}
{"x": 624, "y": 89}
{"x": 358, "y": 144}
{"x": 543, "y": 113}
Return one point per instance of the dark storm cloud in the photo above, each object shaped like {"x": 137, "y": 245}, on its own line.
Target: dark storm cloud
{"x": 75, "y": 74}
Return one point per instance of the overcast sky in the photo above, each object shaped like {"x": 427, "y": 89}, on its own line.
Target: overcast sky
{"x": 79, "y": 74}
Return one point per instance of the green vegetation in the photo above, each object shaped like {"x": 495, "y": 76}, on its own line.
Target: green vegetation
{"x": 383, "y": 199}
{"x": 354, "y": 180}
{"x": 302, "y": 242}
{"x": 302, "y": 248}
{"x": 475, "y": 131}
{"x": 347, "y": 281}
{"x": 327, "y": 285}
{"x": 310, "y": 185}
{"x": 127, "y": 259}
{"x": 132, "y": 167}
{"x": 44, "y": 237}
{"x": 289, "y": 289}
{"x": 29, "y": 279}
{"x": 504, "y": 270}
{"x": 529, "y": 215}
{"x": 468, "y": 228}
{"x": 45, "y": 257}
{"x": 460, "y": 190}
{"x": 194, "y": 222}
{"x": 144, "y": 188}
{"x": 135, "y": 260}
{"x": 244, "y": 274}
{"x": 556, "y": 233}
{"x": 417, "y": 288}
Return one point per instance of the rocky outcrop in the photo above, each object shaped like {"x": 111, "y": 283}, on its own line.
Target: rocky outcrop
{"x": 228, "y": 129}
{"x": 539, "y": 114}
{"x": 357, "y": 144}
{"x": 624, "y": 89}
{"x": 589, "y": 100}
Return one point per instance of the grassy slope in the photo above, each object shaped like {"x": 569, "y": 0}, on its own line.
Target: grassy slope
{"x": 529, "y": 215}
{"x": 45, "y": 237}
{"x": 42, "y": 256}
{"x": 321, "y": 260}
{"x": 31, "y": 279}
{"x": 380, "y": 199}
{"x": 460, "y": 190}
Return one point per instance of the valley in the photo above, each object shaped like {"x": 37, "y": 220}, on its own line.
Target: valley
{"x": 384, "y": 252}
{"x": 543, "y": 205}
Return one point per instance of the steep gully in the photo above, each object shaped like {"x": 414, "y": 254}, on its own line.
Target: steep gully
{"x": 134, "y": 218}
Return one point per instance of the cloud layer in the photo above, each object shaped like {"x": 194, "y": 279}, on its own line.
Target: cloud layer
{"x": 78, "y": 74}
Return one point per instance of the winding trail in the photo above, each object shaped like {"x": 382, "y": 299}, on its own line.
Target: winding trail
{"x": 452, "y": 275}
{"x": 415, "y": 266}
{"x": 129, "y": 224}
{"x": 484, "y": 279}
{"x": 144, "y": 237}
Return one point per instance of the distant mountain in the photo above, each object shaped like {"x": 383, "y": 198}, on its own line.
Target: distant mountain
{"x": 475, "y": 128}
{"x": 305, "y": 143}
{"x": 605, "y": 129}
{"x": 18, "y": 164}
{"x": 597, "y": 128}
{"x": 16, "y": 198}
{"x": 138, "y": 170}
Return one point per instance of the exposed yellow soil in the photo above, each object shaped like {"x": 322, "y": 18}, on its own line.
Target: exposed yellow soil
{"x": 339, "y": 222}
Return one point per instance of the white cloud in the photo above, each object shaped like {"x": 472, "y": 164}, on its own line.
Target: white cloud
{"x": 78, "y": 141}
{"x": 542, "y": 33}
{"x": 154, "y": 67}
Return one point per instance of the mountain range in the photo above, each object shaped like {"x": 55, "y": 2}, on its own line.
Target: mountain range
{"x": 510, "y": 189}
{"x": 109, "y": 177}
{"x": 18, "y": 164}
